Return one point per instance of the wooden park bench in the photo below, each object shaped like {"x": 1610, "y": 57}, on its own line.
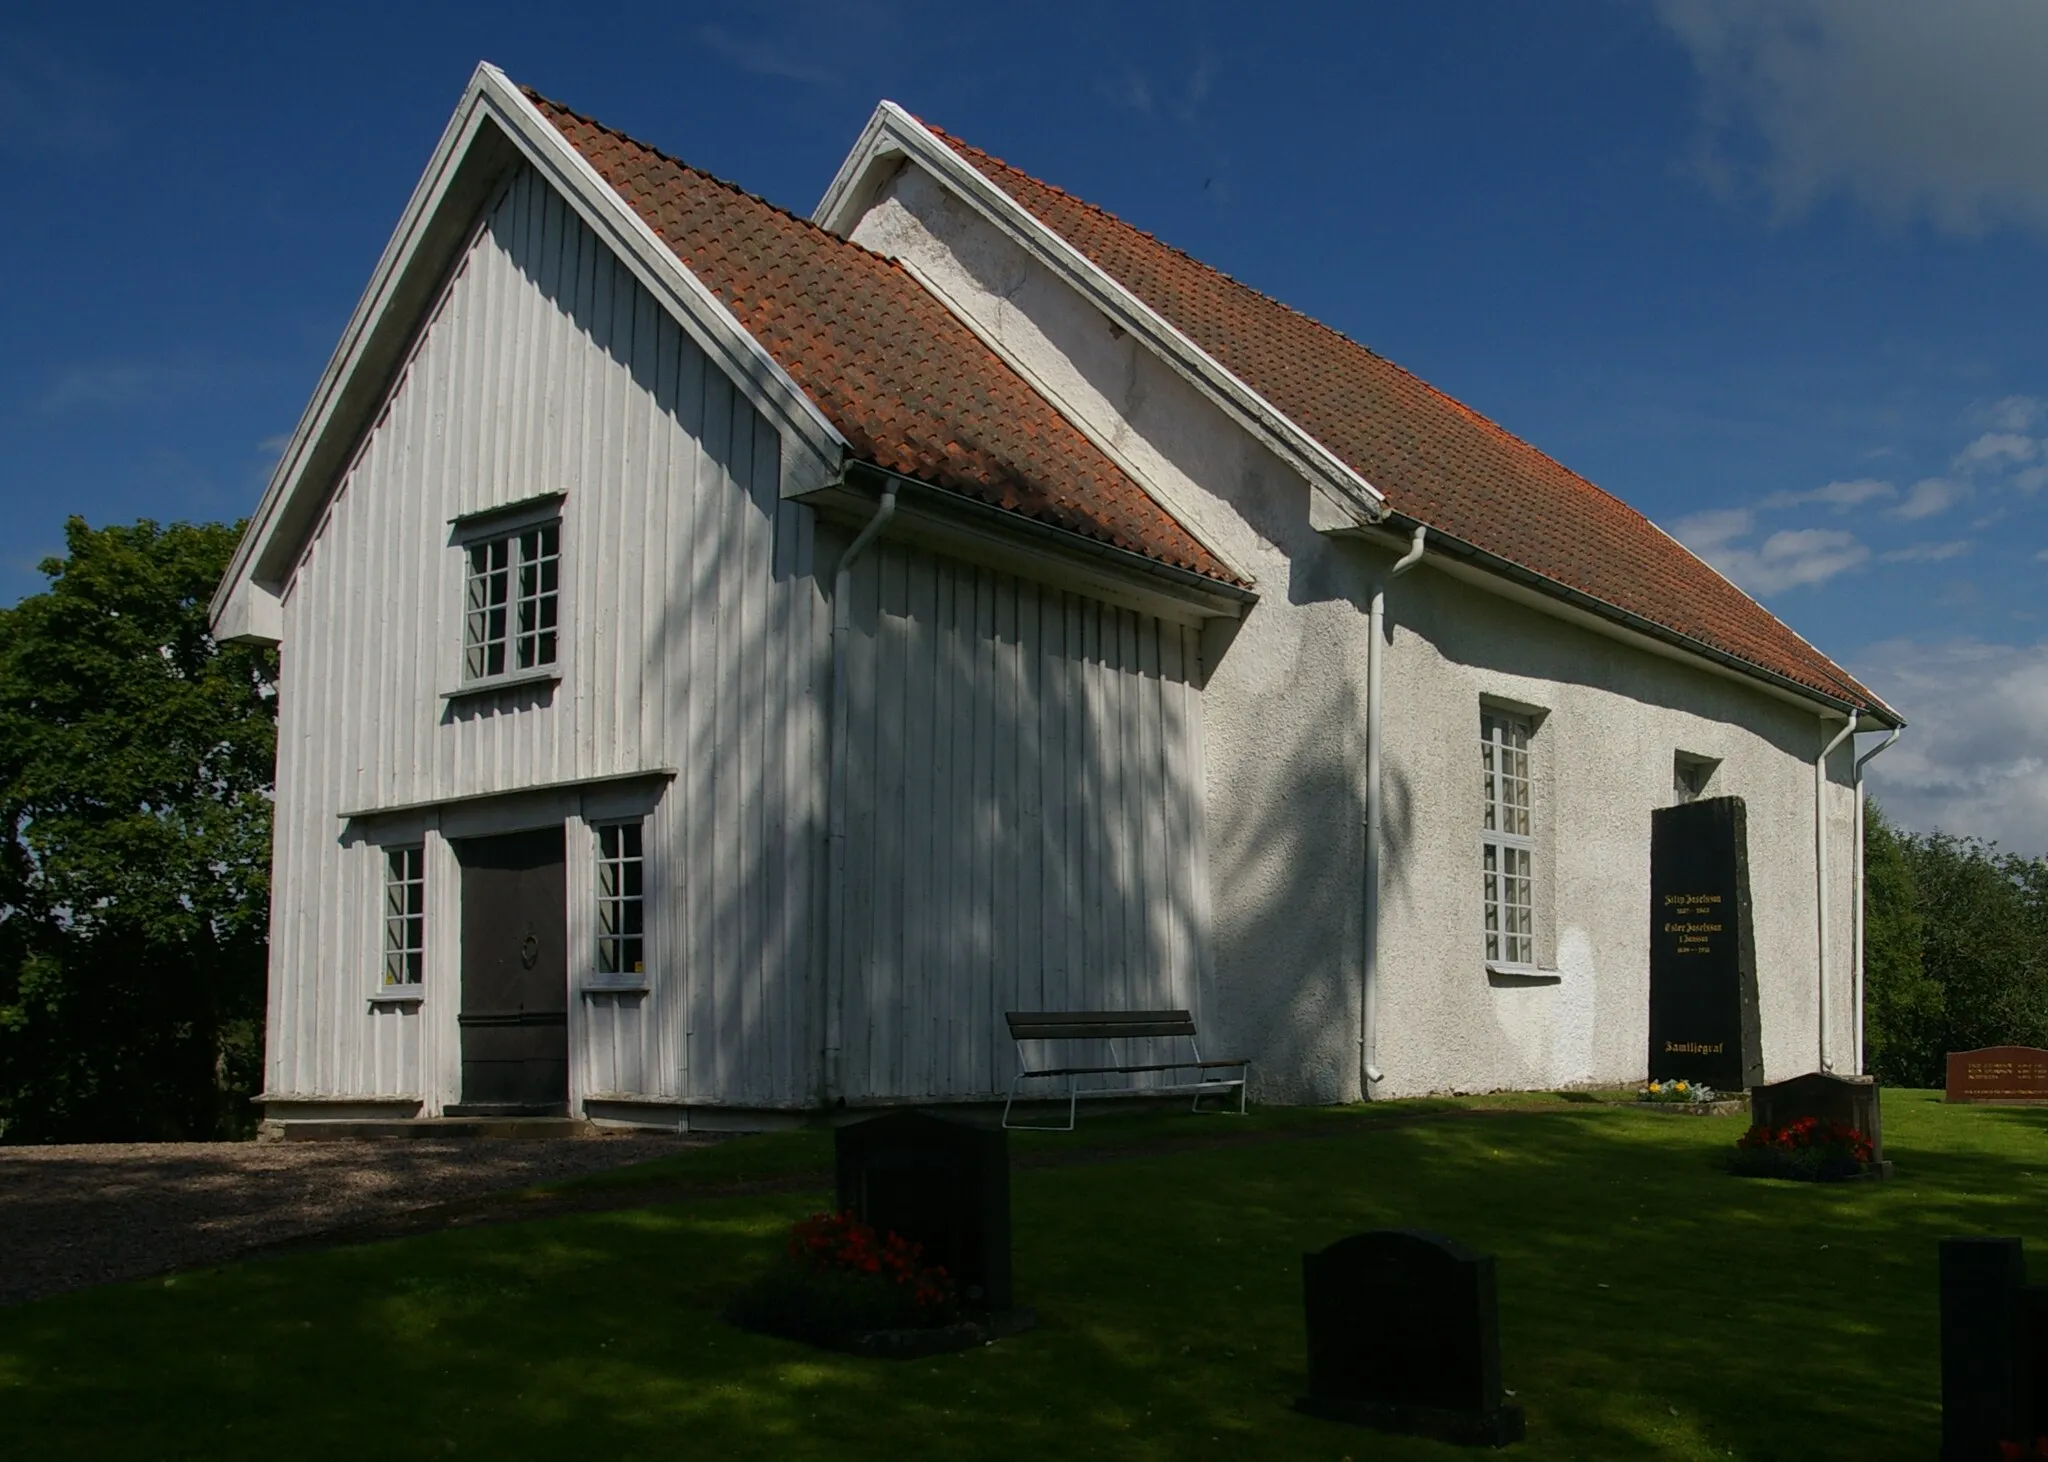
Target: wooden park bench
{"x": 1112, "y": 1026}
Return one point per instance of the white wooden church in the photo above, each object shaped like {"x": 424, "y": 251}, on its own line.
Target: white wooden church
{"x": 729, "y": 659}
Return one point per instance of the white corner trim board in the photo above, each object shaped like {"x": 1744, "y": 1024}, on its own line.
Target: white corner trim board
{"x": 494, "y": 127}
{"x": 892, "y": 134}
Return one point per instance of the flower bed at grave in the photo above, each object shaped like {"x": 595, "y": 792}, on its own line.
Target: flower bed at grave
{"x": 842, "y": 1285}
{"x": 1678, "y": 1091}
{"x": 1807, "y": 1149}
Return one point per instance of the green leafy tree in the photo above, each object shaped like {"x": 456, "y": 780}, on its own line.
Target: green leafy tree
{"x": 1956, "y": 953}
{"x": 136, "y": 765}
{"x": 1902, "y": 1007}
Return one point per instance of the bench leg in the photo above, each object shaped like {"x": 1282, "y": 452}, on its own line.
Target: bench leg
{"x": 1032, "y": 1126}
{"x": 1240, "y": 1083}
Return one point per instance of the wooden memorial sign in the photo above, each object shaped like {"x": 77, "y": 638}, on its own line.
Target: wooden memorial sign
{"x": 2015, "y": 1075}
{"x": 1703, "y": 993}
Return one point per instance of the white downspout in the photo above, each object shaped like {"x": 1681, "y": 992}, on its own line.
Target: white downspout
{"x": 1861, "y": 762}
{"x": 1820, "y": 874}
{"x": 827, "y": 1012}
{"x": 1369, "y": 980}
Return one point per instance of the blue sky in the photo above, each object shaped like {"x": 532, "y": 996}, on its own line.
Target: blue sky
{"x": 1768, "y": 269}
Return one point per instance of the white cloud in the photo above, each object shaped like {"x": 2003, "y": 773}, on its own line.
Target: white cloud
{"x": 2015, "y": 413}
{"x": 1909, "y": 108}
{"x": 763, "y": 56}
{"x": 1997, "y": 449}
{"x": 101, "y": 386}
{"x": 1930, "y": 495}
{"x": 1974, "y": 759}
{"x": 1790, "y": 559}
{"x": 1704, "y": 533}
{"x": 1927, "y": 552}
{"x": 1841, "y": 496}
{"x": 2042, "y": 556}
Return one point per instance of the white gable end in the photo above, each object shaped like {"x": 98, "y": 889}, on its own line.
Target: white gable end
{"x": 691, "y": 640}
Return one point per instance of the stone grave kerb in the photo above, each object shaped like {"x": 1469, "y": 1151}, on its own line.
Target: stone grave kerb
{"x": 1826, "y": 1097}
{"x": 943, "y": 1184}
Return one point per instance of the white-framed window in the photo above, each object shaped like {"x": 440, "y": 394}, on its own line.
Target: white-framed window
{"x": 512, "y": 603}
{"x": 405, "y": 919}
{"x": 621, "y": 955}
{"x": 1507, "y": 841}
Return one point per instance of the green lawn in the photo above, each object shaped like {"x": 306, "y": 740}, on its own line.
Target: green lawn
{"x": 1652, "y": 1307}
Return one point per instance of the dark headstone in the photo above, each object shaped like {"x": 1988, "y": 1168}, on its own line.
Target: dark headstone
{"x": 1404, "y": 1336}
{"x": 1994, "y": 1350}
{"x": 2017, "y": 1075}
{"x": 941, "y": 1184}
{"x": 1850, "y": 1100}
{"x": 1703, "y": 995}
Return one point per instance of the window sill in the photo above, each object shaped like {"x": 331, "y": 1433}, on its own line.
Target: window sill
{"x": 503, "y": 682}
{"x": 400, "y": 995}
{"x": 1516, "y": 976}
{"x": 615, "y": 987}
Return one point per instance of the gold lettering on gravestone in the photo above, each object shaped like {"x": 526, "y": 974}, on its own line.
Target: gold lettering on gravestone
{"x": 1694, "y": 1048}
{"x": 1692, "y": 934}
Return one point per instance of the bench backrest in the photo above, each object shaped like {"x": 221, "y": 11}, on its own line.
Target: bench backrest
{"x": 1097, "y": 1025}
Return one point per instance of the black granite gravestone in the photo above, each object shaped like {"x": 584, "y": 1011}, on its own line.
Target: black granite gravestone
{"x": 1851, "y": 1100}
{"x": 941, "y": 1184}
{"x": 1404, "y": 1336}
{"x": 1703, "y": 994}
{"x": 1994, "y": 1350}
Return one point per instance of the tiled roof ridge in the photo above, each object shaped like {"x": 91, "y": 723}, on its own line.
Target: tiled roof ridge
{"x": 735, "y": 189}
{"x": 1478, "y": 416}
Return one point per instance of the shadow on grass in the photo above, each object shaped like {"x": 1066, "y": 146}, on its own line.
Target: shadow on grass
{"x": 1651, "y": 1307}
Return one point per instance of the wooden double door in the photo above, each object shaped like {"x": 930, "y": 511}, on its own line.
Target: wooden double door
{"x": 515, "y": 975}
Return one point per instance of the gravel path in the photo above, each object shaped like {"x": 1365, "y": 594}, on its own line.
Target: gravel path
{"x": 76, "y": 1216}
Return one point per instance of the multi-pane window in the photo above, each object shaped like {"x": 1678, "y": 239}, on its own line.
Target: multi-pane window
{"x": 1507, "y": 847}
{"x": 512, "y": 602}
{"x": 621, "y": 905}
{"x": 405, "y": 917}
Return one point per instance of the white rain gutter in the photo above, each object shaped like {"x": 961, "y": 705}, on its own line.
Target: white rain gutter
{"x": 827, "y": 1013}
{"x": 1861, "y": 762}
{"x": 1369, "y": 978}
{"x": 1820, "y": 873}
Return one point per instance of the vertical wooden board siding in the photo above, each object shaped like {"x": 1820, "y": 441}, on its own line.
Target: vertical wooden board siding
{"x": 693, "y": 634}
{"x": 1023, "y": 816}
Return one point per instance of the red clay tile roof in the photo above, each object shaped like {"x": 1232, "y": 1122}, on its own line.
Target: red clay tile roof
{"x": 908, "y": 385}
{"x": 1437, "y": 461}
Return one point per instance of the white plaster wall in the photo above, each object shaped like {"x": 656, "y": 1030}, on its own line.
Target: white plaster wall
{"x": 1284, "y": 718}
{"x": 1284, "y": 698}
{"x": 1615, "y": 717}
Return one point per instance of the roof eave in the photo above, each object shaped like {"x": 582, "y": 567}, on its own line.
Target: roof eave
{"x": 1501, "y": 575}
